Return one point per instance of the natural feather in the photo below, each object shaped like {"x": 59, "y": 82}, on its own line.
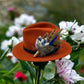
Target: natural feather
{"x": 54, "y": 35}
{"x": 45, "y": 35}
{"x": 43, "y": 51}
{"x": 51, "y": 34}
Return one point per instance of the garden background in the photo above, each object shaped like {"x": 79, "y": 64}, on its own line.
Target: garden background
{"x": 52, "y": 11}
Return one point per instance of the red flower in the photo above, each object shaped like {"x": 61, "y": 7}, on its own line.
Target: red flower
{"x": 20, "y": 75}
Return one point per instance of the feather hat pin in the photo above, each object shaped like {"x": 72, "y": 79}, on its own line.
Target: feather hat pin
{"x": 45, "y": 45}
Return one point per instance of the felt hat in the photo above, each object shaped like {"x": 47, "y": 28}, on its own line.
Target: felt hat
{"x": 25, "y": 50}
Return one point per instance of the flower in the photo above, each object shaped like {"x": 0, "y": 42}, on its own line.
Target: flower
{"x": 21, "y": 39}
{"x": 80, "y": 29}
{"x": 66, "y": 25}
{"x": 11, "y": 9}
{"x": 13, "y": 41}
{"x": 68, "y": 28}
{"x": 24, "y": 20}
{"x": 18, "y": 22}
{"x": 65, "y": 71}
{"x": 14, "y": 30}
{"x": 10, "y": 43}
{"x": 67, "y": 57}
{"x": 79, "y": 37}
{"x": 4, "y": 45}
{"x": 20, "y": 75}
{"x": 11, "y": 56}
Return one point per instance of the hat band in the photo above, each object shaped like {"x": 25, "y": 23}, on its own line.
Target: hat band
{"x": 33, "y": 52}
{"x": 29, "y": 51}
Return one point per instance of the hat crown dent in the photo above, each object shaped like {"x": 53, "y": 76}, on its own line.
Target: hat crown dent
{"x": 32, "y": 32}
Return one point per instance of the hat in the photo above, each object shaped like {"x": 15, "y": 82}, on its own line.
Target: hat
{"x": 25, "y": 50}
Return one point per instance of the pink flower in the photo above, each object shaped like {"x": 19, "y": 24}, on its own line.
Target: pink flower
{"x": 11, "y": 9}
{"x": 19, "y": 75}
{"x": 65, "y": 71}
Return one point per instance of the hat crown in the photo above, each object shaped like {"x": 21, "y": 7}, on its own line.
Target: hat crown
{"x": 32, "y": 32}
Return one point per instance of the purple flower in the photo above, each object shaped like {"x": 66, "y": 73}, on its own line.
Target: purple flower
{"x": 11, "y": 9}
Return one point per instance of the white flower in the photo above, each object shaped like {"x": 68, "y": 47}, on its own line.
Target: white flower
{"x": 66, "y": 25}
{"x": 4, "y": 45}
{"x": 24, "y": 20}
{"x": 65, "y": 32}
{"x": 80, "y": 29}
{"x": 79, "y": 37}
{"x": 28, "y": 19}
{"x": 67, "y": 57}
{"x": 14, "y": 29}
{"x": 18, "y": 22}
{"x": 13, "y": 59}
{"x": 21, "y": 39}
{"x": 82, "y": 40}
{"x": 65, "y": 71}
{"x": 13, "y": 41}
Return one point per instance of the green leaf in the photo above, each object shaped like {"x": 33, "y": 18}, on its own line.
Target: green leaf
{"x": 82, "y": 55}
{"x": 9, "y": 80}
{"x": 78, "y": 67}
{"x": 76, "y": 61}
{"x": 23, "y": 65}
{"x": 70, "y": 32}
{"x": 2, "y": 81}
{"x": 70, "y": 41}
{"x": 75, "y": 48}
{"x": 4, "y": 54}
{"x": 78, "y": 82}
{"x": 49, "y": 71}
{"x": 74, "y": 54}
{"x": 27, "y": 67}
{"x": 3, "y": 72}
{"x": 30, "y": 69}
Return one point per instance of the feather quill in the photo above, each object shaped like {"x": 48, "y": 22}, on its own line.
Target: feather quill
{"x": 53, "y": 40}
{"x": 51, "y": 34}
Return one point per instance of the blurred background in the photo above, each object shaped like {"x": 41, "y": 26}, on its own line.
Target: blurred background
{"x": 45, "y": 10}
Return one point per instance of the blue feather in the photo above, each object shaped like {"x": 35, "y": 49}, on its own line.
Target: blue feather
{"x": 53, "y": 40}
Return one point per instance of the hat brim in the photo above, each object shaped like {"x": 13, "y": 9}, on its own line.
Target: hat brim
{"x": 20, "y": 53}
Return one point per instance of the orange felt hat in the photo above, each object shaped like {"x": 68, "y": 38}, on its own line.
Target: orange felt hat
{"x": 25, "y": 50}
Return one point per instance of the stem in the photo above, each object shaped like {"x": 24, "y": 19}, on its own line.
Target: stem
{"x": 39, "y": 66}
{"x": 12, "y": 69}
{"x": 4, "y": 54}
{"x": 42, "y": 72}
{"x": 31, "y": 79}
{"x": 38, "y": 71}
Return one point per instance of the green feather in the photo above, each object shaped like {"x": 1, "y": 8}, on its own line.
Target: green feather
{"x": 43, "y": 51}
{"x": 57, "y": 42}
